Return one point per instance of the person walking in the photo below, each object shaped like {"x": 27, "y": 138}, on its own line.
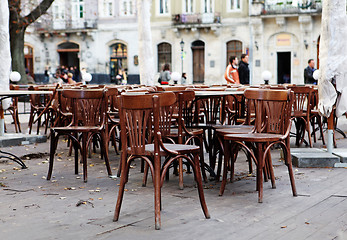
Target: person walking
{"x": 243, "y": 69}
{"x": 308, "y": 73}
{"x": 165, "y": 75}
{"x": 231, "y": 74}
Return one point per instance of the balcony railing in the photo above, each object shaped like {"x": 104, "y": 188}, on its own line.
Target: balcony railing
{"x": 196, "y": 18}
{"x": 288, "y": 8}
{"x": 80, "y": 24}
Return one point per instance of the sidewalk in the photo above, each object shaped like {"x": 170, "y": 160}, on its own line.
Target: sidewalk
{"x": 67, "y": 208}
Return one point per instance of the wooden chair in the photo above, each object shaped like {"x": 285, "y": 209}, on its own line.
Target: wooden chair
{"x": 301, "y": 113}
{"x": 88, "y": 119}
{"x": 141, "y": 116}
{"x": 37, "y": 105}
{"x": 185, "y": 133}
{"x": 272, "y": 126}
{"x": 315, "y": 117}
{"x": 13, "y": 109}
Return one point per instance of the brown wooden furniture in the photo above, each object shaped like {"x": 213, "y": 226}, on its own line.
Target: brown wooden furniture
{"x": 272, "y": 126}
{"x": 13, "y": 109}
{"x": 140, "y": 117}
{"x": 88, "y": 107}
{"x": 301, "y": 113}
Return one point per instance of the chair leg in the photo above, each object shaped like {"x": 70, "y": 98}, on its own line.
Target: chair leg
{"x": 200, "y": 187}
{"x": 18, "y": 122}
{"x": 180, "y": 173}
{"x": 145, "y": 175}
{"x": 225, "y": 167}
{"x": 31, "y": 119}
{"x": 202, "y": 159}
{"x": 319, "y": 120}
{"x": 53, "y": 147}
{"x": 157, "y": 192}
{"x": 75, "y": 145}
{"x": 260, "y": 172}
{"x": 84, "y": 155}
{"x": 290, "y": 168}
{"x": 308, "y": 129}
{"x": 123, "y": 181}
{"x": 104, "y": 149}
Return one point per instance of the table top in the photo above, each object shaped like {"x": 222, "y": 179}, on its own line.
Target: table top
{"x": 217, "y": 93}
{"x": 22, "y": 92}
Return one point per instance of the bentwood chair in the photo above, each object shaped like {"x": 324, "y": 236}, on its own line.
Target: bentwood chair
{"x": 301, "y": 113}
{"x": 272, "y": 126}
{"x": 88, "y": 107}
{"x": 140, "y": 119}
{"x": 13, "y": 109}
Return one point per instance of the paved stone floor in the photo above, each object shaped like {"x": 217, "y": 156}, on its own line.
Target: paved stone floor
{"x": 68, "y": 208}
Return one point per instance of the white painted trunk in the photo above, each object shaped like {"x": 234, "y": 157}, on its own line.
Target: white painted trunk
{"x": 5, "y": 54}
{"x": 332, "y": 55}
{"x": 146, "y": 58}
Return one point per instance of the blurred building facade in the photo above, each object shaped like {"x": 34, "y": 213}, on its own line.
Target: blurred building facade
{"x": 101, "y": 36}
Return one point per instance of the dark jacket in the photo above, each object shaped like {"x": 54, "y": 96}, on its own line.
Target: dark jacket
{"x": 308, "y": 75}
{"x": 244, "y": 73}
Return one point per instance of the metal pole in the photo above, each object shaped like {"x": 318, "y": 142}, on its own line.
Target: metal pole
{"x": 182, "y": 61}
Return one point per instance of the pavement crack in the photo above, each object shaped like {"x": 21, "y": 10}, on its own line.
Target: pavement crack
{"x": 124, "y": 226}
{"x": 16, "y": 190}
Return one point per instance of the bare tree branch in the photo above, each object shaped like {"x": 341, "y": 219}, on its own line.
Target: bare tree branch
{"x": 37, "y": 12}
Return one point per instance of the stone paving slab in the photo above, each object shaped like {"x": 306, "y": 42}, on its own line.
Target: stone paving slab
{"x": 17, "y": 139}
{"x": 314, "y": 158}
{"x": 342, "y": 153}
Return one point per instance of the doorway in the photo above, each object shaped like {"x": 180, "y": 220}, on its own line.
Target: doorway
{"x": 198, "y": 49}
{"x": 283, "y": 67}
{"x": 68, "y": 54}
{"x": 118, "y": 61}
{"x": 29, "y": 59}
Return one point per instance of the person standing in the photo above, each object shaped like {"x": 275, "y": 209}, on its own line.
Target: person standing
{"x": 308, "y": 73}
{"x": 165, "y": 75}
{"x": 231, "y": 74}
{"x": 243, "y": 69}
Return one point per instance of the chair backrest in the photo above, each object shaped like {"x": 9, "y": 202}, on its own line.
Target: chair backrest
{"x": 186, "y": 107}
{"x": 302, "y": 100}
{"x": 140, "y": 114}
{"x": 88, "y": 106}
{"x": 272, "y": 108}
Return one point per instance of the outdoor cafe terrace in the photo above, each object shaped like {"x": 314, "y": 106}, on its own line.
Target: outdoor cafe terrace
{"x": 244, "y": 162}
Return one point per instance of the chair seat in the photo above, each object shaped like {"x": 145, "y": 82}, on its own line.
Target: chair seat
{"x": 254, "y": 137}
{"x": 217, "y": 127}
{"x": 192, "y": 131}
{"x": 225, "y": 131}
{"x": 180, "y": 148}
{"x": 77, "y": 128}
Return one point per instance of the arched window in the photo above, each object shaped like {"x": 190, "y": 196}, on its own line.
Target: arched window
{"x": 234, "y": 48}
{"x": 164, "y": 55}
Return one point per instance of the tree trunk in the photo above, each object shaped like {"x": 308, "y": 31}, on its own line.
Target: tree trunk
{"x": 146, "y": 58}
{"x": 17, "y": 52}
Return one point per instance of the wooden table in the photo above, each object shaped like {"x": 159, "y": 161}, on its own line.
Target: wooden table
{"x": 9, "y": 94}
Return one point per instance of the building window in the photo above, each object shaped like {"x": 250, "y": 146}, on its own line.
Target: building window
{"x": 234, "y": 48}
{"x": 164, "y": 7}
{"x": 77, "y": 8}
{"x": 127, "y": 8}
{"x": 106, "y": 8}
{"x": 207, "y": 6}
{"x": 188, "y": 6}
{"x": 164, "y": 55}
{"x": 58, "y": 10}
{"x": 234, "y": 5}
